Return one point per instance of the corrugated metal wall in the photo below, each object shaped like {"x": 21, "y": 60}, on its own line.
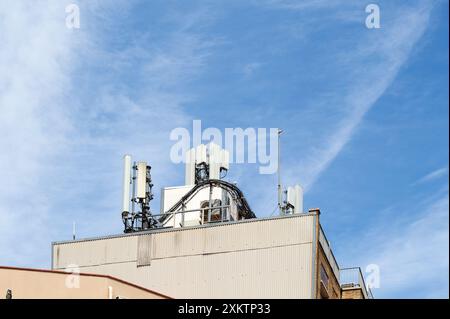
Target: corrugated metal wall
{"x": 95, "y": 252}
{"x": 261, "y": 258}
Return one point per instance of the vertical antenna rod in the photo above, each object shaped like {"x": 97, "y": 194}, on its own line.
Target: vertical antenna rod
{"x": 280, "y": 208}
{"x": 126, "y": 183}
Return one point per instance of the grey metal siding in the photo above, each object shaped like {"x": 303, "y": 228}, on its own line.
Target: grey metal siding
{"x": 263, "y": 258}
{"x": 145, "y": 250}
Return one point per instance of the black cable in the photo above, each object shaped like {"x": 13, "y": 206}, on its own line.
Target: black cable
{"x": 232, "y": 189}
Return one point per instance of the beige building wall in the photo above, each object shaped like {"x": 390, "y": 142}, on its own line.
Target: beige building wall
{"x": 44, "y": 284}
{"x": 255, "y": 258}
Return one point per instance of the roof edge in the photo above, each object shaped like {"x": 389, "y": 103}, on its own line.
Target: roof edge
{"x": 87, "y": 275}
{"x": 171, "y": 229}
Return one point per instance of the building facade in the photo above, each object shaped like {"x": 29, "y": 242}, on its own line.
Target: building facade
{"x": 281, "y": 257}
{"x": 26, "y": 283}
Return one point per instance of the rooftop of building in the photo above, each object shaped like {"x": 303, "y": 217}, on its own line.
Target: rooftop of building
{"x": 312, "y": 212}
{"x": 24, "y": 282}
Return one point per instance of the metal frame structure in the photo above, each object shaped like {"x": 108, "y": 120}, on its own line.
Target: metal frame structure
{"x": 146, "y": 220}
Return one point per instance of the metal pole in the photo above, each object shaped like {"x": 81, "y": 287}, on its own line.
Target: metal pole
{"x": 174, "y": 219}
{"x": 210, "y": 203}
{"x": 280, "y": 208}
{"x": 183, "y": 208}
{"x": 133, "y": 195}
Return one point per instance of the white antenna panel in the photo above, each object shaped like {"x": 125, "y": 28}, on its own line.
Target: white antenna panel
{"x": 291, "y": 195}
{"x": 298, "y": 199}
{"x": 212, "y": 155}
{"x": 215, "y": 155}
{"x": 295, "y": 198}
{"x": 190, "y": 167}
{"x": 126, "y": 183}
{"x": 200, "y": 154}
{"x": 141, "y": 180}
{"x": 225, "y": 155}
{"x": 215, "y": 159}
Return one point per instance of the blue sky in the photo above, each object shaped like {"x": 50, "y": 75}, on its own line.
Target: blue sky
{"x": 365, "y": 114}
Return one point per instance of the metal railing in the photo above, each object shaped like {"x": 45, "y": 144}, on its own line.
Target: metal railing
{"x": 353, "y": 277}
{"x": 328, "y": 252}
{"x": 207, "y": 215}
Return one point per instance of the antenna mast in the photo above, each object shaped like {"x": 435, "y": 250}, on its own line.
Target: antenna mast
{"x": 280, "y": 207}
{"x": 141, "y": 195}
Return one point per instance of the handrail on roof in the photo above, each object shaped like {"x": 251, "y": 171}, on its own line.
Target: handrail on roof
{"x": 347, "y": 276}
{"x": 329, "y": 246}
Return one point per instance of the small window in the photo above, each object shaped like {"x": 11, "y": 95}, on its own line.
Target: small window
{"x": 324, "y": 276}
{"x": 216, "y": 213}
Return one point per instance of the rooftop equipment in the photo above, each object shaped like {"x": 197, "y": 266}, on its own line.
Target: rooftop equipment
{"x": 126, "y": 183}
{"x": 206, "y": 162}
{"x": 141, "y": 184}
{"x": 206, "y": 165}
{"x": 279, "y": 186}
{"x": 294, "y": 201}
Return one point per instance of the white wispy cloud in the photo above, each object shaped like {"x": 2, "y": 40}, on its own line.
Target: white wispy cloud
{"x": 370, "y": 68}
{"x": 138, "y": 120}
{"x": 412, "y": 255}
{"x": 368, "y": 62}
{"x": 64, "y": 128}
{"x": 36, "y": 60}
{"x": 436, "y": 174}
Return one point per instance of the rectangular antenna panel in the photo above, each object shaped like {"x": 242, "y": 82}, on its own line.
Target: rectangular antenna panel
{"x": 126, "y": 183}
{"x": 225, "y": 159}
{"x": 291, "y": 195}
{"x": 298, "y": 199}
{"x": 141, "y": 180}
{"x": 215, "y": 159}
{"x": 189, "y": 176}
{"x": 200, "y": 154}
